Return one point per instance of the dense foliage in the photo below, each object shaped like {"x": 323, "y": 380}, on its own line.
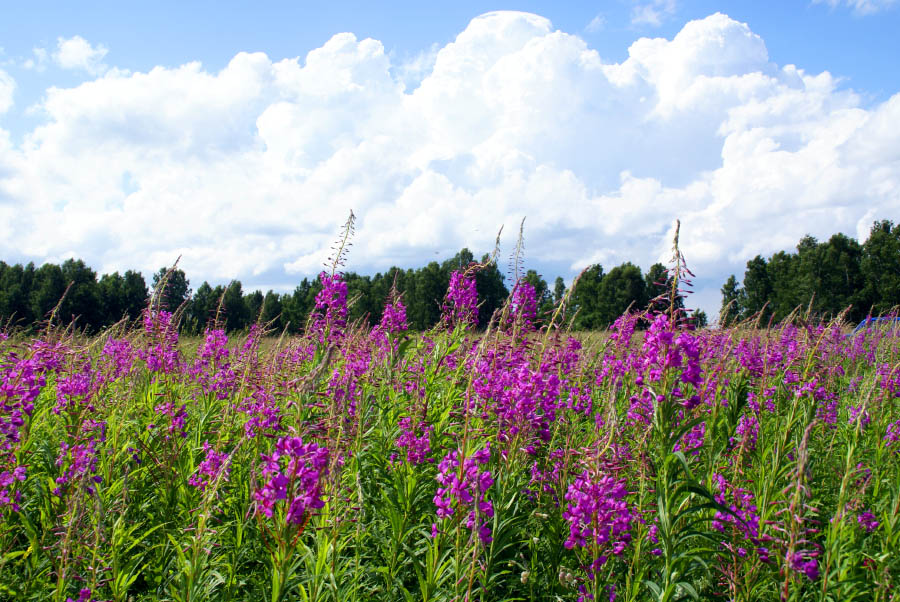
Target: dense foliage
{"x": 364, "y": 463}
{"x": 29, "y": 296}
{"x": 822, "y": 278}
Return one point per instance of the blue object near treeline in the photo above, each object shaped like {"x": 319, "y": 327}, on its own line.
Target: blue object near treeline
{"x": 869, "y": 321}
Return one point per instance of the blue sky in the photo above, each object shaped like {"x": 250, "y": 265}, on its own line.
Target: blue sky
{"x": 858, "y": 45}
{"x": 601, "y": 122}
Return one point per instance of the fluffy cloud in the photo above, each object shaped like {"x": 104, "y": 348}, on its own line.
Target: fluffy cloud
{"x": 248, "y": 172}
{"x": 77, "y": 53}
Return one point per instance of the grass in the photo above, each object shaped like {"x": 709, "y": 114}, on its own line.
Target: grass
{"x": 358, "y": 464}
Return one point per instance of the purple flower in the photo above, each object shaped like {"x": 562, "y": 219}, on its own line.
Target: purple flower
{"x": 329, "y": 317}
{"x": 79, "y": 464}
{"x": 417, "y": 446}
{"x": 393, "y": 320}
{"x": 461, "y": 303}
{"x": 523, "y": 305}
{"x": 83, "y": 596}
{"x": 892, "y": 434}
{"x": 805, "y": 564}
{"x": 867, "y": 521}
{"x": 464, "y": 487}
{"x": 599, "y": 517}
{"x": 120, "y": 356}
{"x": 161, "y": 355}
{"x": 213, "y": 465}
{"x": 294, "y": 474}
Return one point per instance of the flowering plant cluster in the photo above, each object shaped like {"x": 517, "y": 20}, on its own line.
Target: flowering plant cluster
{"x": 463, "y": 486}
{"x": 329, "y": 317}
{"x": 293, "y": 474}
{"x": 415, "y": 441}
{"x": 374, "y": 463}
{"x": 461, "y": 303}
{"x": 599, "y": 517}
{"x": 213, "y": 466}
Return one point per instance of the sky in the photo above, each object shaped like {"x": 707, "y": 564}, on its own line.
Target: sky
{"x": 239, "y": 136}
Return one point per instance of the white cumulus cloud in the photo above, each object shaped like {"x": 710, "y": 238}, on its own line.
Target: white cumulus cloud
{"x": 248, "y": 172}
{"x": 78, "y": 53}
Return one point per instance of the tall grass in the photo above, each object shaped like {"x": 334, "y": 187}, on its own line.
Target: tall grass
{"x": 374, "y": 464}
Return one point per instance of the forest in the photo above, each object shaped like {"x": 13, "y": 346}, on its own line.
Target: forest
{"x": 821, "y": 278}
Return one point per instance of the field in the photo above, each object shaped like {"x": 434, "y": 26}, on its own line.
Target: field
{"x": 377, "y": 464}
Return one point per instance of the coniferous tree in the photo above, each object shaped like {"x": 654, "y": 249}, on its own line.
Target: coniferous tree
{"x": 732, "y": 302}
{"x": 236, "y": 313}
{"x": 757, "y": 289}
{"x": 559, "y": 289}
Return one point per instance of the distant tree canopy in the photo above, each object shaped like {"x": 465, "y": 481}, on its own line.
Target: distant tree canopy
{"x": 824, "y": 278}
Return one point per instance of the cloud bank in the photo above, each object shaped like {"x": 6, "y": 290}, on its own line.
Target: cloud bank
{"x": 248, "y": 172}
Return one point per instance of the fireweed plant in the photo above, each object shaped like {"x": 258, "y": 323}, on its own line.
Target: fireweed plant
{"x": 508, "y": 464}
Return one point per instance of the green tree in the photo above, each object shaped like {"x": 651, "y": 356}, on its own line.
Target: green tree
{"x": 785, "y": 294}
{"x": 82, "y": 303}
{"x": 47, "y": 289}
{"x": 424, "y": 309}
{"x": 272, "y": 311}
{"x": 492, "y": 292}
{"x": 840, "y": 281}
{"x": 15, "y": 289}
{"x": 254, "y": 302}
{"x": 880, "y": 268}
{"x": 236, "y": 312}
{"x": 699, "y": 319}
{"x": 135, "y": 294}
{"x": 622, "y": 288}
{"x": 297, "y": 305}
{"x": 362, "y": 304}
{"x": 112, "y": 298}
{"x": 559, "y": 289}
{"x": 732, "y": 302}
{"x": 757, "y": 289}
{"x": 177, "y": 288}
{"x": 658, "y": 285}
{"x": 201, "y": 309}
{"x": 460, "y": 261}
{"x": 585, "y": 304}
{"x": 541, "y": 293}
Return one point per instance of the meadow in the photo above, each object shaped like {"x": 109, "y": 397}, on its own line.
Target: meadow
{"x": 355, "y": 463}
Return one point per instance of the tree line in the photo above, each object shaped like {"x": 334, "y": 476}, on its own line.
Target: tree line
{"x": 826, "y": 277}
{"x": 72, "y": 292}
{"x": 822, "y": 278}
